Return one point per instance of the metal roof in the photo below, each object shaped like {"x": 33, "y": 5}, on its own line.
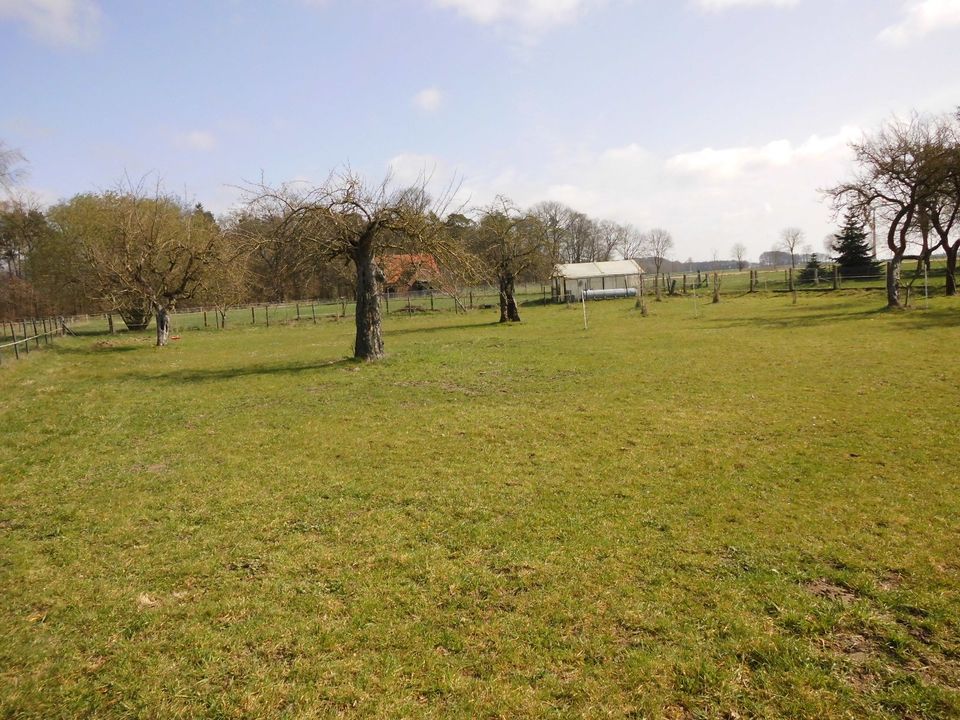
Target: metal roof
{"x": 576, "y": 271}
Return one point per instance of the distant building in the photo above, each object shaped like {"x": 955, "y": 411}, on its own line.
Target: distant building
{"x": 569, "y": 281}
{"x": 410, "y": 273}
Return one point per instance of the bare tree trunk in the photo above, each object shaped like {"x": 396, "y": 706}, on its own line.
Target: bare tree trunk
{"x": 513, "y": 312}
{"x": 163, "y": 326}
{"x": 504, "y": 315}
{"x": 952, "y": 269}
{"x": 893, "y": 282}
{"x": 509, "y": 312}
{"x": 369, "y": 340}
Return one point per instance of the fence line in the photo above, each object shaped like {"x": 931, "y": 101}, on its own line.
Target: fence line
{"x": 52, "y": 327}
{"x": 753, "y": 280}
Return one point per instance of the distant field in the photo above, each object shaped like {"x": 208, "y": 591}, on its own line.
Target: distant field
{"x": 740, "y": 510}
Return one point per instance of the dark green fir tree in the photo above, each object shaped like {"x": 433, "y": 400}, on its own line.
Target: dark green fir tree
{"x": 812, "y": 272}
{"x": 853, "y": 253}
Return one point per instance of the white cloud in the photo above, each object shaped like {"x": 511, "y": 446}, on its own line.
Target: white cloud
{"x": 709, "y": 199}
{"x": 531, "y": 14}
{"x": 411, "y": 167}
{"x": 443, "y": 180}
{"x": 721, "y": 5}
{"x": 921, "y": 18}
{"x": 730, "y": 163}
{"x": 201, "y": 140}
{"x": 429, "y": 99}
{"x": 57, "y": 22}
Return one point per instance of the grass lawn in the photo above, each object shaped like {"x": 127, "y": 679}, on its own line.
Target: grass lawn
{"x": 749, "y": 512}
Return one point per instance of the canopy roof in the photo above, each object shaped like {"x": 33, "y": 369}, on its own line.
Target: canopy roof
{"x": 576, "y": 271}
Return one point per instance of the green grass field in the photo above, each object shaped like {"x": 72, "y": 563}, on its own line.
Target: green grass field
{"x": 739, "y": 510}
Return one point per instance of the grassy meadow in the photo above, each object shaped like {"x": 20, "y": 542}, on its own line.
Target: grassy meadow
{"x": 718, "y": 511}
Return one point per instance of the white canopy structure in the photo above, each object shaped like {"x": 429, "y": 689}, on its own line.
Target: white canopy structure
{"x": 569, "y": 281}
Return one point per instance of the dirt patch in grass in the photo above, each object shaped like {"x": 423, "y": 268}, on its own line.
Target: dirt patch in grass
{"x": 828, "y": 590}
{"x": 891, "y": 580}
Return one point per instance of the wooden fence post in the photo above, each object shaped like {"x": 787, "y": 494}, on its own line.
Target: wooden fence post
{"x": 313, "y": 312}
{"x": 16, "y": 350}
{"x": 298, "y": 312}
{"x": 266, "y": 312}
{"x": 26, "y": 335}
{"x": 205, "y": 318}
{"x": 641, "y": 301}
{"x": 253, "y": 316}
{"x": 110, "y": 323}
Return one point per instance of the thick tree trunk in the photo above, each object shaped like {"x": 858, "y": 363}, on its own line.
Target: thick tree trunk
{"x": 504, "y": 317}
{"x": 893, "y": 282}
{"x": 952, "y": 269}
{"x": 513, "y": 311}
{"x": 509, "y": 312}
{"x": 369, "y": 340}
{"x": 163, "y": 327}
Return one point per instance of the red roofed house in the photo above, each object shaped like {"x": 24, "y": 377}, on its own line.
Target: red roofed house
{"x": 410, "y": 273}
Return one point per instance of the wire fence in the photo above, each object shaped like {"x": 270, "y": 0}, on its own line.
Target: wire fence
{"x": 827, "y": 277}
{"x": 15, "y": 337}
{"x": 308, "y": 311}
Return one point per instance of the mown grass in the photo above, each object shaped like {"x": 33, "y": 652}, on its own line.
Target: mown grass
{"x": 739, "y": 510}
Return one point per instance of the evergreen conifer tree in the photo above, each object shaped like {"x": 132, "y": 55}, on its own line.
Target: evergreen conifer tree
{"x": 812, "y": 271}
{"x": 853, "y": 253}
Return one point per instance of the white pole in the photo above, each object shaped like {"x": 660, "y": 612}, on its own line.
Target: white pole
{"x": 583, "y": 300}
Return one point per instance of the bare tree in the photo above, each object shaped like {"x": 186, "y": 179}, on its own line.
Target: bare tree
{"x": 898, "y": 173}
{"x": 148, "y": 251}
{"x": 631, "y": 243}
{"x": 579, "y": 239}
{"x": 739, "y": 251}
{"x": 659, "y": 243}
{"x": 22, "y": 224}
{"x": 227, "y": 281}
{"x": 510, "y": 242}
{"x": 790, "y": 239}
{"x": 348, "y": 219}
{"x": 10, "y": 172}
{"x": 943, "y": 206}
{"x": 555, "y": 219}
{"x": 606, "y": 239}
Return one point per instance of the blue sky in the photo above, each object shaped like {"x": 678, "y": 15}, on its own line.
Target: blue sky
{"x": 716, "y": 119}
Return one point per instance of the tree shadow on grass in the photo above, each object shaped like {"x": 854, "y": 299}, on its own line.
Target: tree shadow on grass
{"x": 199, "y": 375}
{"x": 795, "y": 318}
{"x": 98, "y": 348}
{"x": 913, "y": 317}
{"x": 440, "y": 328}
